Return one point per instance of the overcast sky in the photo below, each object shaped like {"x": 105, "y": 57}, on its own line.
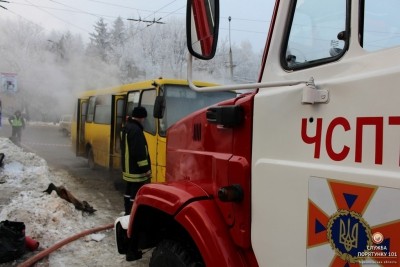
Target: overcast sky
{"x": 249, "y": 19}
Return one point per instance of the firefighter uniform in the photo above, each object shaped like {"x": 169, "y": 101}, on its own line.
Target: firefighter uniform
{"x": 135, "y": 158}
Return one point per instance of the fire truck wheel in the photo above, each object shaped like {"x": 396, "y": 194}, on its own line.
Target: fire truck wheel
{"x": 172, "y": 253}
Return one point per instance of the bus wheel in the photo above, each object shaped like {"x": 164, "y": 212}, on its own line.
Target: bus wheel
{"x": 91, "y": 163}
{"x": 172, "y": 253}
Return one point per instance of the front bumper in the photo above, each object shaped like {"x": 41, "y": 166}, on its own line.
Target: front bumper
{"x": 121, "y": 228}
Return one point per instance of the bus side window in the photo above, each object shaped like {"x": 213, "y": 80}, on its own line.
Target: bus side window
{"x": 102, "y": 110}
{"x": 133, "y": 101}
{"x": 103, "y": 115}
{"x": 91, "y": 107}
{"x": 147, "y": 101}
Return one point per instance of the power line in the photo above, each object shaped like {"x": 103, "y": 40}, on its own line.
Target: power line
{"x": 75, "y": 10}
{"x": 239, "y": 30}
{"x": 250, "y": 20}
{"x": 2, "y": 1}
{"x": 67, "y": 22}
{"x": 146, "y": 19}
{"x": 116, "y": 5}
{"x": 79, "y": 10}
{"x": 170, "y": 13}
{"x": 151, "y": 22}
{"x": 157, "y": 21}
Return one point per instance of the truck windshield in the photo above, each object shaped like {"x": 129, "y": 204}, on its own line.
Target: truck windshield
{"x": 180, "y": 101}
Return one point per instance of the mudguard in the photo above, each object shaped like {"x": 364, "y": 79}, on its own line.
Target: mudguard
{"x": 196, "y": 211}
{"x": 168, "y": 198}
{"x": 205, "y": 224}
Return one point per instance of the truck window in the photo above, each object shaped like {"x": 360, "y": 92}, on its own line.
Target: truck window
{"x": 316, "y": 34}
{"x": 381, "y": 24}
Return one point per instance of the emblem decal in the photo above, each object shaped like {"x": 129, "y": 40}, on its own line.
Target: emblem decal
{"x": 349, "y": 234}
{"x": 352, "y": 224}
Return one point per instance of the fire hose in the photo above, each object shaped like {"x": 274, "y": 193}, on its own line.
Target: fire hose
{"x": 58, "y": 245}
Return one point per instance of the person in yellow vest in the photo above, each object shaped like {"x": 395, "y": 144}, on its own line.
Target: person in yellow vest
{"x": 135, "y": 158}
{"x": 17, "y": 123}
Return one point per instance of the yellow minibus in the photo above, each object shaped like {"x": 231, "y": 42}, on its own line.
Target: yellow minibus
{"x": 100, "y": 114}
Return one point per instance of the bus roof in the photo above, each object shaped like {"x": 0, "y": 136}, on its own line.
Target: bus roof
{"x": 138, "y": 86}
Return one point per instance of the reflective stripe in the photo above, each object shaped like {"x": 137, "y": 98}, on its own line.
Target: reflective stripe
{"x": 126, "y": 154}
{"x": 143, "y": 163}
{"x": 129, "y": 177}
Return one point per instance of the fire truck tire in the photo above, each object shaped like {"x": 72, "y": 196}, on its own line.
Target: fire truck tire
{"x": 172, "y": 253}
{"x": 91, "y": 163}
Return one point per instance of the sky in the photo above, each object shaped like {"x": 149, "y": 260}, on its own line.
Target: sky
{"x": 249, "y": 19}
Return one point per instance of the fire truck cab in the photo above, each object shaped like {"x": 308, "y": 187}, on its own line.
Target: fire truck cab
{"x": 304, "y": 171}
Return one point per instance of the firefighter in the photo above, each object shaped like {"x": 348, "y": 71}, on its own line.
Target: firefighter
{"x": 135, "y": 158}
{"x": 17, "y": 123}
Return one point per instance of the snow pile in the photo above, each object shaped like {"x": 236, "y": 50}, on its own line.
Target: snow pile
{"x": 50, "y": 219}
{"x": 47, "y": 218}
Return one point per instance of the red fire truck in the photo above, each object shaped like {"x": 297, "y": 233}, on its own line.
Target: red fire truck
{"x": 305, "y": 171}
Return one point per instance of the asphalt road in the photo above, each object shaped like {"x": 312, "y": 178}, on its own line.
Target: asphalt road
{"x": 47, "y": 141}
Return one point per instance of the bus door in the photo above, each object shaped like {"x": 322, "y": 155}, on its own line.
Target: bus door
{"x": 117, "y": 118}
{"x": 80, "y": 131}
{"x": 147, "y": 100}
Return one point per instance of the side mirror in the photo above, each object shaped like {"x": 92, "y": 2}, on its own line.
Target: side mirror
{"x": 202, "y": 22}
{"x": 159, "y": 107}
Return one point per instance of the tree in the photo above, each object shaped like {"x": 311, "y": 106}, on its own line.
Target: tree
{"x": 118, "y": 33}
{"x": 50, "y": 73}
{"x": 100, "y": 41}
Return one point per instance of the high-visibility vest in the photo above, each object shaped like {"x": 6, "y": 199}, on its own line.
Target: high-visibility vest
{"x": 16, "y": 122}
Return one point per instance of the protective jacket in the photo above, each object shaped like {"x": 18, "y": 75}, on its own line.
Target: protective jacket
{"x": 17, "y": 121}
{"x": 135, "y": 158}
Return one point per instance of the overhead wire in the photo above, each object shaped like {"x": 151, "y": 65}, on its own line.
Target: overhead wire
{"x": 158, "y": 10}
{"x": 2, "y": 1}
{"x": 109, "y": 18}
{"x": 79, "y": 10}
{"x": 52, "y": 15}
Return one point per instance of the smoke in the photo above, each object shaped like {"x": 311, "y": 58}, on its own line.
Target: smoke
{"x": 53, "y": 68}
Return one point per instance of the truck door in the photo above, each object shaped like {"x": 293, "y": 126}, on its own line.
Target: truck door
{"x": 326, "y": 157}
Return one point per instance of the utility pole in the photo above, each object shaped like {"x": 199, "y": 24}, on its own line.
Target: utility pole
{"x": 230, "y": 50}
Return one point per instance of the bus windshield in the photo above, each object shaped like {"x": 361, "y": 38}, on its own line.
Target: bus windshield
{"x": 180, "y": 101}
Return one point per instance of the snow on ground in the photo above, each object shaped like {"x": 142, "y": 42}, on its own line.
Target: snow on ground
{"x": 50, "y": 219}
